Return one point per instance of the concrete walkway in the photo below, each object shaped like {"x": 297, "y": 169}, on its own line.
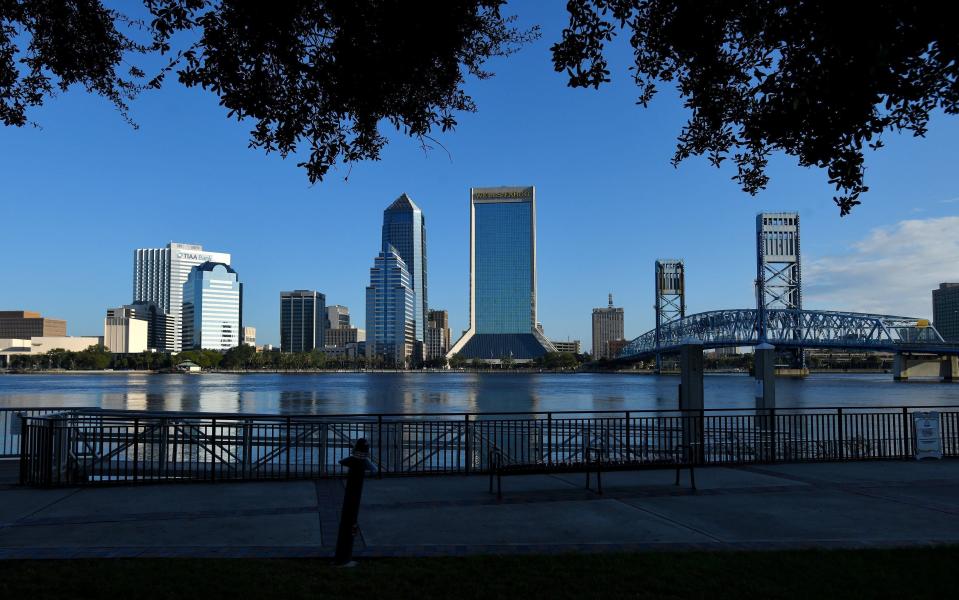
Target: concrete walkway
{"x": 867, "y": 504}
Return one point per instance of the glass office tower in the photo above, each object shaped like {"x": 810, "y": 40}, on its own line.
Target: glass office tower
{"x": 502, "y": 277}
{"x": 404, "y": 229}
{"x": 390, "y": 310}
{"x": 212, "y": 307}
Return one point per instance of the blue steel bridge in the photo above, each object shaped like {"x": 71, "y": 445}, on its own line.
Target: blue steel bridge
{"x": 791, "y": 328}
{"x": 779, "y": 317}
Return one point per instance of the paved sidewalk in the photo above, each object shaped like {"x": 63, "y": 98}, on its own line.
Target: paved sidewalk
{"x": 866, "y": 504}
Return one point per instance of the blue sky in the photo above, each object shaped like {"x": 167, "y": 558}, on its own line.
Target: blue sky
{"x": 85, "y": 189}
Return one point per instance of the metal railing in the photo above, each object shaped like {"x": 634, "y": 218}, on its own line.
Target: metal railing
{"x": 94, "y": 446}
{"x": 10, "y": 424}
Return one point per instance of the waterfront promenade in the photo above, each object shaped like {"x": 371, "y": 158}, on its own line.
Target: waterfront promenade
{"x": 861, "y": 504}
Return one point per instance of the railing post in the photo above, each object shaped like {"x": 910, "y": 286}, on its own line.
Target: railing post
{"x": 164, "y": 435}
{"x": 136, "y": 448}
{"x": 629, "y": 440}
{"x": 549, "y": 439}
{"x": 23, "y": 449}
{"x": 906, "y": 445}
{"x": 289, "y": 444}
{"x": 247, "y": 449}
{"x": 48, "y": 459}
{"x": 213, "y": 449}
{"x": 469, "y": 454}
{"x": 775, "y": 434}
{"x": 839, "y": 428}
{"x": 379, "y": 446}
{"x": 701, "y": 454}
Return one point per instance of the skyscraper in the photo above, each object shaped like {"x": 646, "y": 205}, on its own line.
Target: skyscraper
{"x": 608, "y": 326}
{"x": 404, "y": 228}
{"x": 212, "y": 307}
{"x": 502, "y": 277}
{"x": 159, "y": 275}
{"x": 390, "y": 310}
{"x": 945, "y": 311}
{"x": 302, "y": 320}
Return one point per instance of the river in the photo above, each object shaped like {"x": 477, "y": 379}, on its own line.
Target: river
{"x": 326, "y": 393}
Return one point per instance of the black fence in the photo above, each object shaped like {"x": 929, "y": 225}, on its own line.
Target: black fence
{"x": 95, "y": 447}
{"x": 10, "y": 426}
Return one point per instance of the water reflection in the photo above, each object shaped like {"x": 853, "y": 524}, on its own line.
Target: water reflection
{"x": 445, "y": 392}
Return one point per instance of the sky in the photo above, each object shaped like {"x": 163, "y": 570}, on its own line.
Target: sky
{"x": 83, "y": 190}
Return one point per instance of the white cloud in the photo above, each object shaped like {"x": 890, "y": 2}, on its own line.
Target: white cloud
{"x": 891, "y": 271}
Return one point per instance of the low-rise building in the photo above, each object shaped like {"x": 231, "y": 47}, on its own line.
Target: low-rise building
{"x": 123, "y": 332}
{"x": 567, "y": 346}
{"x": 349, "y": 351}
{"x": 340, "y": 337}
{"x": 25, "y": 324}
{"x": 161, "y": 326}
{"x": 42, "y": 344}
{"x": 337, "y": 317}
{"x": 615, "y": 347}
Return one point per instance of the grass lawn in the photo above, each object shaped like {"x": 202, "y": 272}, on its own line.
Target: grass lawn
{"x": 905, "y": 573}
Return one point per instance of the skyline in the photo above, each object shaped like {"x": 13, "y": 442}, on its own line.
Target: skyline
{"x": 206, "y": 187}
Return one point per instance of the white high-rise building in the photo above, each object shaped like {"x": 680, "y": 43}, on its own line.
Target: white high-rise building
{"x": 160, "y": 273}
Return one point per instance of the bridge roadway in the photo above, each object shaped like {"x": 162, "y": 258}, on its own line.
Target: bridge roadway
{"x": 788, "y": 328}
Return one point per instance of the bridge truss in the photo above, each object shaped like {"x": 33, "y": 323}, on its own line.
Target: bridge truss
{"x": 791, "y": 328}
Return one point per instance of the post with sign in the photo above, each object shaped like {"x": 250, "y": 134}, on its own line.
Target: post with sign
{"x": 765, "y": 371}
{"x": 928, "y": 438}
{"x": 691, "y": 398}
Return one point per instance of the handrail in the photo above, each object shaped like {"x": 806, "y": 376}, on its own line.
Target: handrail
{"x": 132, "y": 446}
{"x": 318, "y": 416}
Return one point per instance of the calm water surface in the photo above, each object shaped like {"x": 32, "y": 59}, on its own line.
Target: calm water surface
{"x": 445, "y": 392}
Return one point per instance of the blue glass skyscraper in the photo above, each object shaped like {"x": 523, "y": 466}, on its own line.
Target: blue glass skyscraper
{"x": 404, "y": 229}
{"x": 390, "y": 310}
{"x": 502, "y": 277}
{"x": 212, "y": 307}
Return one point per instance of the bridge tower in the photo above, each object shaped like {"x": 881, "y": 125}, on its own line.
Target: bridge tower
{"x": 670, "y": 296}
{"x": 778, "y": 270}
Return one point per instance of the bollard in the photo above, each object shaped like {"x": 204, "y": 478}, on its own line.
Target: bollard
{"x": 357, "y": 464}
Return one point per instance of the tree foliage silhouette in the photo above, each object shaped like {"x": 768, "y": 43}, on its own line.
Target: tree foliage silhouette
{"x": 817, "y": 80}
{"x": 324, "y": 74}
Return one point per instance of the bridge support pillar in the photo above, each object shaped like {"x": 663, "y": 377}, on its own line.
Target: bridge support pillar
{"x": 907, "y": 366}
{"x": 765, "y": 369}
{"x": 691, "y": 397}
{"x": 949, "y": 368}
